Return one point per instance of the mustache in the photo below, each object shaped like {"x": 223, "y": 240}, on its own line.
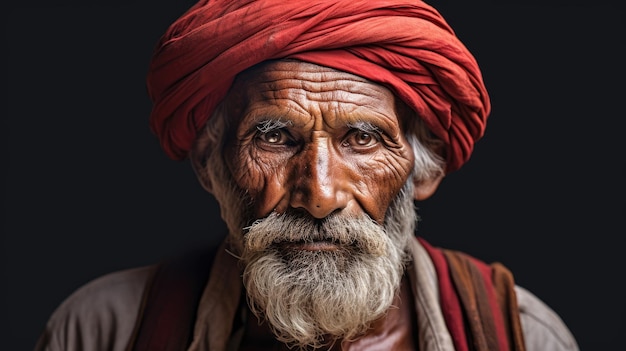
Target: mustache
{"x": 358, "y": 232}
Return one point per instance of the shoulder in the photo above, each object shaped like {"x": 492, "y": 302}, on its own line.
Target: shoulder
{"x": 543, "y": 328}
{"x": 100, "y": 315}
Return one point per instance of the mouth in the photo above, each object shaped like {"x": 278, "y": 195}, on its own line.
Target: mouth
{"x": 320, "y": 245}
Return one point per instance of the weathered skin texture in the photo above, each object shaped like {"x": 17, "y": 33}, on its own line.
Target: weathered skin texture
{"x": 315, "y": 139}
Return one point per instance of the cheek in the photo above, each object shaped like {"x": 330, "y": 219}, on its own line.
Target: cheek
{"x": 247, "y": 173}
{"x": 380, "y": 180}
{"x": 261, "y": 177}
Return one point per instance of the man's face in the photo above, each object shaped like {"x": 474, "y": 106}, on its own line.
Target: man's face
{"x": 319, "y": 157}
{"x": 317, "y": 140}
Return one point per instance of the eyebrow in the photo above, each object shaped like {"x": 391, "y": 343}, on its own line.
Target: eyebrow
{"x": 364, "y": 126}
{"x": 267, "y": 125}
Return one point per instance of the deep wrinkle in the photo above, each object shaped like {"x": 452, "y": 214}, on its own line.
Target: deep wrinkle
{"x": 336, "y": 142}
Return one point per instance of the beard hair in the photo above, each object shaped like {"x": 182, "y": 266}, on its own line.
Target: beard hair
{"x": 313, "y": 298}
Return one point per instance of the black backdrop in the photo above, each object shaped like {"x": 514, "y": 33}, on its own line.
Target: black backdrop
{"x": 87, "y": 190}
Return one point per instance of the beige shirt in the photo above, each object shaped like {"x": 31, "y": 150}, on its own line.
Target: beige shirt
{"x": 101, "y": 315}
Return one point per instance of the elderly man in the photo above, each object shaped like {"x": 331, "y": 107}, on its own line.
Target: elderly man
{"x": 316, "y": 125}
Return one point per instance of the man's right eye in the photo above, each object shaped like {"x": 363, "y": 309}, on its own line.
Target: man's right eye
{"x": 274, "y": 137}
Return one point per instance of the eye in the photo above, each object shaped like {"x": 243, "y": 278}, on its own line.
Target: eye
{"x": 275, "y": 137}
{"x": 361, "y": 139}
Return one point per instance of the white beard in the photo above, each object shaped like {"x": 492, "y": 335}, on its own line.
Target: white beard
{"x": 312, "y": 298}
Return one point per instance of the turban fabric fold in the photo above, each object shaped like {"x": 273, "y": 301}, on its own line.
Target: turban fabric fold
{"x": 404, "y": 45}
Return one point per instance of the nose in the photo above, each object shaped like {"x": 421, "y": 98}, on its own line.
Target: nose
{"x": 320, "y": 184}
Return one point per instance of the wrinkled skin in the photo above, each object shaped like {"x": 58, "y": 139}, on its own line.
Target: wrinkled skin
{"x": 315, "y": 139}
{"x": 310, "y": 139}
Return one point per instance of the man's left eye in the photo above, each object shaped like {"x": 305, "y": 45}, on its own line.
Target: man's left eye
{"x": 360, "y": 138}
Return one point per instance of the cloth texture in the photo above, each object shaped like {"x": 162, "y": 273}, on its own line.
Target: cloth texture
{"x": 471, "y": 294}
{"x": 478, "y": 301}
{"x": 405, "y": 45}
{"x": 101, "y": 315}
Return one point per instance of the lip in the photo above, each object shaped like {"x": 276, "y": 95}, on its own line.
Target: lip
{"x": 311, "y": 246}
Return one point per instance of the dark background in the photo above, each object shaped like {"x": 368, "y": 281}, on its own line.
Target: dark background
{"x": 86, "y": 189}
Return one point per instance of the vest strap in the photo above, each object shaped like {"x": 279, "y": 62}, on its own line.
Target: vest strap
{"x": 170, "y": 302}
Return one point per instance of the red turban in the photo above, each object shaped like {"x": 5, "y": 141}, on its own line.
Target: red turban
{"x": 404, "y": 45}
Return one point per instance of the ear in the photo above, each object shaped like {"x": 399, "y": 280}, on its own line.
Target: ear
{"x": 424, "y": 188}
{"x": 197, "y": 157}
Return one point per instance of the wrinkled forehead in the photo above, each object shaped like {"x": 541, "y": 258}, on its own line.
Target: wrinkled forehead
{"x": 279, "y": 79}
{"x": 295, "y": 69}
